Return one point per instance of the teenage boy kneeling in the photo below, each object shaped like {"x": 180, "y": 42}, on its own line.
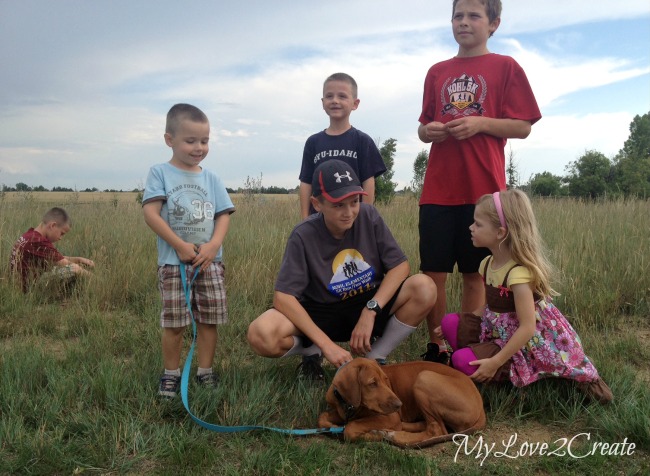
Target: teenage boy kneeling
{"x": 343, "y": 278}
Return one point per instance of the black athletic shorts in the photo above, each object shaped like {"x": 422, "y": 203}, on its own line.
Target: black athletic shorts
{"x": 445, "y": 239}
{"x": 337, "y": 320}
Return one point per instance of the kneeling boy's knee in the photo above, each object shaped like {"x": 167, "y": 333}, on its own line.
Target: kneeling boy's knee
{"x": 424, "y": 290}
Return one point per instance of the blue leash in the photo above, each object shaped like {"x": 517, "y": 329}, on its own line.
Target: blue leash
{"x": 185, "y": 381}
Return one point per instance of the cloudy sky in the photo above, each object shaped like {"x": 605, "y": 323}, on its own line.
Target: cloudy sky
{"x": 85, "y": 84}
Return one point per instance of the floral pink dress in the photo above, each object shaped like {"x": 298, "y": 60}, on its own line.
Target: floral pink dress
{"x": 555, "y": 350}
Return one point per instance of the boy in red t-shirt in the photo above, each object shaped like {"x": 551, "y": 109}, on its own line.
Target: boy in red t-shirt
{"x": 472, "y": 104}
{"x": 34, "y": 256}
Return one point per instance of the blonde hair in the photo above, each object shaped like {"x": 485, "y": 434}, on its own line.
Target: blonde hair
{"x": 523, "y": 237}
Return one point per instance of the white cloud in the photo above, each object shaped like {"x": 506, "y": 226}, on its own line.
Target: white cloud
{"x": 85, "y": 89}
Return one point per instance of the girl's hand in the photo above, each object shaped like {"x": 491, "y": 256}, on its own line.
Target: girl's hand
{"x": 487, "y": 368}
{"x": 438, "y": 332}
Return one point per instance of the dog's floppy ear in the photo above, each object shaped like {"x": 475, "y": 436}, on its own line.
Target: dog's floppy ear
{"x": 347, "y": 383}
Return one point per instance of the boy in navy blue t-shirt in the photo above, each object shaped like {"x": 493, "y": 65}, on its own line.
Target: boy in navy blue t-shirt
{"x": 340, "y": 141}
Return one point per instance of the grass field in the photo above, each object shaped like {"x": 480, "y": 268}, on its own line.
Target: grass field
{"x": 78, "y": 379}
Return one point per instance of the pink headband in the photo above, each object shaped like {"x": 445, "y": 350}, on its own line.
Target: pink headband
{"x": 497, "y": 205}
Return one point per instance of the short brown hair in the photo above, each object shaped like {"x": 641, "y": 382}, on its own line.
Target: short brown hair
{"x": 58, "y": 215}
{"x": 492, "y": 8}
{"x": 346, "y": 78}
{"x": 181, "y": 111}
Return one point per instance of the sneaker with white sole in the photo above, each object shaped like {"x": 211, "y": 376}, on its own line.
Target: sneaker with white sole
{"x": 209, "y": 380}
{"x": 169, "y": 385}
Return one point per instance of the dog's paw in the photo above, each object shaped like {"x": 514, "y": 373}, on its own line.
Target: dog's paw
{"x": 383, "y": 434}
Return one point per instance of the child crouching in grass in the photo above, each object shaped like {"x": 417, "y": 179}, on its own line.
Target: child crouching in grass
{"x": 38, "y": 264}
{"x": 519, "y": 335}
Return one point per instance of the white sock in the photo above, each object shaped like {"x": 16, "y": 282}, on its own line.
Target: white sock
{"x": 202, "y": 371}
{"x": 176, "y": 372}
{"x": 394, "y": 333}
{"x": 297, "y": 348}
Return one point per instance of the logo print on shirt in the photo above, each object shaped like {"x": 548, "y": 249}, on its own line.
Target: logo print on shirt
{"x": 351, "y": 275}
{"x": 463, "y": 95}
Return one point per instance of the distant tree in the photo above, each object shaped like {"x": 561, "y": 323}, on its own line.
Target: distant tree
{"x": 512, "y": 170}
{"x": 638, "y": 144}
{"x": 39, "y": 188}
{"x": 384, "y": 186}
{"x": 546, "y": 185}
{"x": 419, "y": 169}
{"x": 23, "y": 187}
{"x": 590, "y": 176}
{"x": 62, "y": 189}
{"x": 273, "y": 190}
{"x": 632, "y": 163}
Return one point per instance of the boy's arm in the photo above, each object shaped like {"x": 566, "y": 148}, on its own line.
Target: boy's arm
{"x": 305, "y": 195}
{"x": 368, "y": 186}
{"x": 74, "y": 265}
{"x": 78, "y": 260}
{"x": 291, "y": 308}
{"x": 467, "y": 127}
{"x": 151, "y": 210}
{"x": 208, "y": 251}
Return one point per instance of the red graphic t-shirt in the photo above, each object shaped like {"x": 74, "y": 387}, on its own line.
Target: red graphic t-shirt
{"x": 33, "y": 254}
{"x": 492, "y": 85}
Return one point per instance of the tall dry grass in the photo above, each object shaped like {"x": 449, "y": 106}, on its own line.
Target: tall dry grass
{"x": 78, "y": 378}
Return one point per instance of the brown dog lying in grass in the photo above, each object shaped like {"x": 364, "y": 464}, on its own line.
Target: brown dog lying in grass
{"x": 413, "y": 404}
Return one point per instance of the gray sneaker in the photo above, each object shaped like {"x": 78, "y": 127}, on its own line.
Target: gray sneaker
{"x": 210, "y": 380}
{"x": 169, "y": 385}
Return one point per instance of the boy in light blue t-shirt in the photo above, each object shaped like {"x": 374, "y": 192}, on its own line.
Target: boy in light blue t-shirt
{"x": 189, "y": 209}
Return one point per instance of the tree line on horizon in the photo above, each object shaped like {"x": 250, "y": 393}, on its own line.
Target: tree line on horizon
{"x": 591, "y": 176}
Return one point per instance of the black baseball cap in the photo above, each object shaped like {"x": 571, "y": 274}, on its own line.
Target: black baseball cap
{"x": 335, "y": 181}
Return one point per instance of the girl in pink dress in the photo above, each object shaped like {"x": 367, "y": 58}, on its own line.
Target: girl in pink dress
{"x": 520, "y": 335}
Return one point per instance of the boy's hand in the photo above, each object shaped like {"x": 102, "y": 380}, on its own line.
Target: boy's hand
{"x": 337, "y": 355}
{"x": 187, "y": 252}
{"x": 436, "y": 132}
{"x": 465, "y": 127}
{"x": 360, "y": 338}
{"x": 205, "y": 254}
{"x": 87, "y": 262}
{"x": 438, "y": 332}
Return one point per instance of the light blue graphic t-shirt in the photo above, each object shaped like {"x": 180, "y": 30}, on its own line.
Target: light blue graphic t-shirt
{"x": 191, "y": 202}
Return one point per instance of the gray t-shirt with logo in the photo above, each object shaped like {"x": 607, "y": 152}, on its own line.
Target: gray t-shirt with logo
{"x": 320, "y": 268}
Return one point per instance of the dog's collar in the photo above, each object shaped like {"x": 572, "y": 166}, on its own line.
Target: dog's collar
{"x": 350, "y": 410}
